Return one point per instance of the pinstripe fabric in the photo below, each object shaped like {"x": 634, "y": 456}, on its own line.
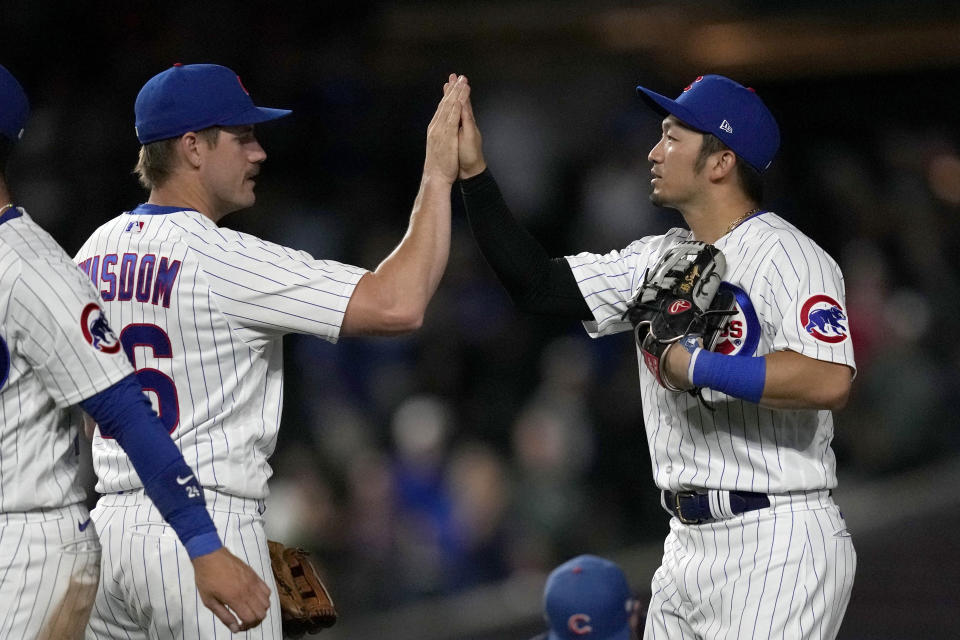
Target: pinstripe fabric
{"x": 785, "y": 571}
{"x": 202, "y": 311}
{"x": 49, "y": 555}
{"x": 775, "y": 573}
{"x": 48, "y": 573}
{"x": 224, "y": 311}
{"x": 51, "y": 366}
{"x": 741, "y": 446}
{"x": 147, "y": 588}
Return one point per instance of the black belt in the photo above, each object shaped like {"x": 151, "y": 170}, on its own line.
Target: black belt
{"x": 691, "y": 507}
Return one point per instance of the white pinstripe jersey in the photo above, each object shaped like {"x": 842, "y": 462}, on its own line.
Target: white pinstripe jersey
{"x": 201, "y": 312}
{"x": 790, "y": 296}
{"x": 55, "y": 350}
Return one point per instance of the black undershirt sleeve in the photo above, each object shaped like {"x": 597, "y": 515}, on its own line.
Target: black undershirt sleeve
{"x": 535, "y": 282}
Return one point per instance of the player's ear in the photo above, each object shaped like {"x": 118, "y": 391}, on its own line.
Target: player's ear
{"x": 188, "y": 147}
{"x": 722, "y": 164}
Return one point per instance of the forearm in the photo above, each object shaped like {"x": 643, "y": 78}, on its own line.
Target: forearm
{"x": 124, "y": 413}
{"x": 794, "y": 381}
{"x": 779, "y": 380}
{"x": 393, "y": 298}
{"x": 535, "y": 282}
{"x": 413, "y": 270}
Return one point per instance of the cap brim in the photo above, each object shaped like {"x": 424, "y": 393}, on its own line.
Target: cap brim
{"x": 255, "y": 115}
{"x": 664, "y": 105}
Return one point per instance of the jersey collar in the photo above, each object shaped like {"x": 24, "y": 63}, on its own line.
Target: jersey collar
{"x": 10, "y": 214}
{"x": 147, "y": 209}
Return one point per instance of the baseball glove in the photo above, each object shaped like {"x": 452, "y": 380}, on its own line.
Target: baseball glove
{"x": 679, "y": 298}
{"x": 305, "y": 603}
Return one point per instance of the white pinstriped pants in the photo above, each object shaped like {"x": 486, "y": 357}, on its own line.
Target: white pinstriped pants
{"x": 147, "y": 589}
{"x": 49, "y": 569}
{"x": 781, "y": 572}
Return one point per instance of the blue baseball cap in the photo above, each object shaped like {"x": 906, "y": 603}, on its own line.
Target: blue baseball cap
{"x": 14, "y": 106}
{"x": 588, "y": 598}
{"x": 193, "y": 97}
{"x": 732, "y": 112}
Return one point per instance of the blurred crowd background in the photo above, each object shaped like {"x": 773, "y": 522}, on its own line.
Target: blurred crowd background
{"x": 491, "y": 443}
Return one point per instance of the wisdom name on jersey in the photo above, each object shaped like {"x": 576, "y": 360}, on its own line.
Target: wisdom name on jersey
{"x": 131, "y": 276}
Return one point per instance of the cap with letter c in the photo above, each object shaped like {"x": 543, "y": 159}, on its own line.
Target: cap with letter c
{"x": 192, "y": 97}
{"x": 588, "y": 598}
{"x": 727, "y": 109}
{"x": 14, "y": 106}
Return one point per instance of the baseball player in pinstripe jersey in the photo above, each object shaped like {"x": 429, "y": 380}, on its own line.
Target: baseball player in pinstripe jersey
{"x": 202, "y": 310}
{"x": 57, "y": 350}
{"x": 757, "y": 548}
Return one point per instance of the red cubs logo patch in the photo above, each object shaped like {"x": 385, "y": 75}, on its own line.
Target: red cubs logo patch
{"x": 740, "y": 334}
{"x": 823, "y": 318}
{"x": 96, "y": 331}
{"x": 678, "y": 306}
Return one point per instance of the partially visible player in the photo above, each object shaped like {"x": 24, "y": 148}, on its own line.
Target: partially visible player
{"x": 757, "y": 547}
{"x": 202, "y": 311}
{"x": 56, "y": 351}
{"x": 589, "y": 598}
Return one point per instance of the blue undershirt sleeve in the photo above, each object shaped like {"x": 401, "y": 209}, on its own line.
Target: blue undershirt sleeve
{"x": 123, "y": 412}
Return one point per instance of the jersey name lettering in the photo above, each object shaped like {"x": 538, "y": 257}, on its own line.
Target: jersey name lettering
{"x": 131, "y": 275}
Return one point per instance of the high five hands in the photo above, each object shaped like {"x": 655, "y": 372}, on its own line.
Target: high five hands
{"x": 469, "y": 140}
{"x": 442, "y": 133}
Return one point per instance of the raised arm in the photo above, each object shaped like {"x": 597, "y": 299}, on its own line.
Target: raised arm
{"x": 536, "y": 283}
{"x": 393, "y": 298}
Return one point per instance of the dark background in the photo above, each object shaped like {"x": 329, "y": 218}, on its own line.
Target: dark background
{"x": 482, "y": 451}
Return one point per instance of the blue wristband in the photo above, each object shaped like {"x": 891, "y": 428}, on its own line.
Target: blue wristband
{"x": 735, "y": 376}
{"x": 203, "y": 544}
{"x": 178, "y": 497}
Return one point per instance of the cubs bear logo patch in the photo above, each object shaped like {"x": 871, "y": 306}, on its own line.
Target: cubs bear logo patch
{"x": 96, "y": 331}
{"x": 823, "y": 318}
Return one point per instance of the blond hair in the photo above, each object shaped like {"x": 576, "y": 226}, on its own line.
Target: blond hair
{"x": 157, "y": 160}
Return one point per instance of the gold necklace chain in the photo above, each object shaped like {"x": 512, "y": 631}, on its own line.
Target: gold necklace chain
{"x": 736, "y": 223}
{"x": 5, "y": 207}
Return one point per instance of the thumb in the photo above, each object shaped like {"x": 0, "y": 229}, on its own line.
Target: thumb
{"x": 466, "y": 114}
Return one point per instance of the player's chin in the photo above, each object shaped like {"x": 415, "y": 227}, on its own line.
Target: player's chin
{"x": 247, "y": 196}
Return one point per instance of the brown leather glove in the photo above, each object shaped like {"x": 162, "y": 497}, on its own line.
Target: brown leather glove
{"x": 305, "y": 603}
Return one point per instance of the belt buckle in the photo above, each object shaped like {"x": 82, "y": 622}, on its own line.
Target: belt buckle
{"x": 679, "y": 511}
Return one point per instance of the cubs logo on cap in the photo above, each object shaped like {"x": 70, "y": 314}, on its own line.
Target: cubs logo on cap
{"x": 191, "y": 97}
{"x": 588, "y": 598}
{"x": 96, "y": 331}
{"x": 823, "y": 318}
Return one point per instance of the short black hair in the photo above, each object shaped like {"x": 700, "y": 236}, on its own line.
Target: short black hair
{"x": 750, "y": 179}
